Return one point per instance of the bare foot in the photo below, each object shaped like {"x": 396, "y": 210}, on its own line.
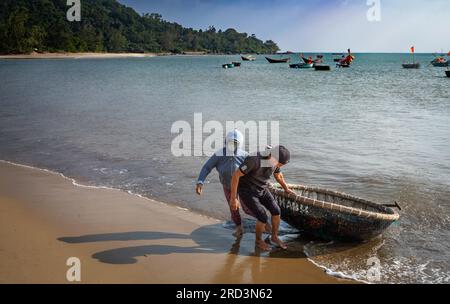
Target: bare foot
{"x": 278, "y": 242}
{"x": 238, "y": 232}
{"x": 262, "y": 245}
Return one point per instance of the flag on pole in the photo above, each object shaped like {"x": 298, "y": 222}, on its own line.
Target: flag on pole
{"x": 412, "y": 49}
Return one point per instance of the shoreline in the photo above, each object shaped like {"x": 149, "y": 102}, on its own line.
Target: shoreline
{"x": 124, "y": 238}
{"x": 68, "y": 55}
{"x": 92, "y": 55}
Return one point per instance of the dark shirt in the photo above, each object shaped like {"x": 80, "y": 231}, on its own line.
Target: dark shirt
{"x": 257, "y": 172}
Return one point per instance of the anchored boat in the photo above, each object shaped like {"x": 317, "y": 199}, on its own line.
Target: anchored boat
{"x": 282, "y": 60}
{"x": 228, "y": 66}
{"x": 447, "y": 73}
{"x": 411, "y": 65}
{"x": 301, "y": 66}
{"x": 440, "y": 62}
{"x": 248, "y": 58}
{"x": 333, "y": 215}
{"x": 346, "y": 61}
{"x": 414, "y": 64}
{"x": 322, "y": 67}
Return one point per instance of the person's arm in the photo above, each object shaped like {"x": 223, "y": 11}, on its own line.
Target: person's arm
{"x": 234, "y": 202}
{"x": 206, "y": 170}
{"x": 280, "y": 179}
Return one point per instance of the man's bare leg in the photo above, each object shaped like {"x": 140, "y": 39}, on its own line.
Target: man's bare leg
{"x": 260, "y": 227}
{"x": 239, "y": 231}
{"x": 268, "y": 228}
{"x": 275, "y": 226}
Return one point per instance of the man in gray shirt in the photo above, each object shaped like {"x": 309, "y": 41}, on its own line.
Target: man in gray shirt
{"x": 251, "y": 182}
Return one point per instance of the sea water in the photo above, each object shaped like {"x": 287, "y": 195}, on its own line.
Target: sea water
{"x": 374, "y": 130}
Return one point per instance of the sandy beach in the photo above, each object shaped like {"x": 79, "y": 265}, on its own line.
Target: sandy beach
{"x": 122, "y": 238}
{"x": 65, "y": 55}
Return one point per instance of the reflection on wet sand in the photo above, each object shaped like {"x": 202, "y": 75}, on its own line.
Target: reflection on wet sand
{"x": 243, "y": 262}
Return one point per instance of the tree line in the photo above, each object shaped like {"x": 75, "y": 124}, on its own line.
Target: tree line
{"x": 108, "y": 26}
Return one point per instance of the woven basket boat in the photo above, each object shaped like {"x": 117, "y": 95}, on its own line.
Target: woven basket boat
{"x": 332, "y": 215}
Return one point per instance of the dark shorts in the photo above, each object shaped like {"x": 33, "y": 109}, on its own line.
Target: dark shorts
{"x": 256, "y": 201}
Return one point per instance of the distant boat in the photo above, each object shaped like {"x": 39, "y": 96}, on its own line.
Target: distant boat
{"x": 282, "y": 60}
{"x": 301, "y": 66}
{"x": 236, "y": 64}
{"x": 346, "y": 61}
{"x": 440, "y": 62}
{"x": 322, "y": 67}
{"x": 414, "y": 64}
{"x": 411, "y": 65}
{"x": 447, "y": 73}
{"x": 319, "y": 59}
{"x": 248, "y": 58}
{"x": 228, "y": 66}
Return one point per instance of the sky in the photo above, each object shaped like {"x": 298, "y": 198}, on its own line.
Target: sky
{"x": 319, "y": 25}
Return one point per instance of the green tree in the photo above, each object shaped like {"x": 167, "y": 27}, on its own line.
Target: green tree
{"x": 17, "y": 39}
{"x": 117, "y": 42}
{"x": 111, "y": 26}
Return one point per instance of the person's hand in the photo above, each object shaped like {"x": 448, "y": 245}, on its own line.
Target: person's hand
{"x": 199, "y": 189}
{"x": 234, "y": 204}
{"x": 289, "y": 191}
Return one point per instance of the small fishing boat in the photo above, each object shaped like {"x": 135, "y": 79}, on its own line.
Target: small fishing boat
{"x": 322, "y": 67}
{"x": 281, "y": 60}
{"x": 447, "y": 73}
{"x": 301, "y": 65}
{"x": 228, "y": 66}
{"x": 236, "y": 64}
{"x": 332, "y": 215}
{"x": 346, "y": 61}
{"x": 318, "y": 60}
{"x": 415, "y": 65}
{"x": 440, "y": 62}
{"x": 248, "y": 58}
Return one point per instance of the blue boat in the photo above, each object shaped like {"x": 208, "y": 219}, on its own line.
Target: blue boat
{"x": 440, "y": 62}
{"x": 228, "y": 66}
{"x": 301, "y": 66}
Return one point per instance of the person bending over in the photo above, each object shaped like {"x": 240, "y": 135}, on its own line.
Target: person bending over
{"x": 251, "y": 183}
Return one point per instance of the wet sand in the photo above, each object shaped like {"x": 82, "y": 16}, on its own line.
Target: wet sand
{"x": 65, "y": 55}
{"x": 123, "y": 238}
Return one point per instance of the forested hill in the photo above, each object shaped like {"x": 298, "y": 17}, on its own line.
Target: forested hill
{"x": 108, "y": 26}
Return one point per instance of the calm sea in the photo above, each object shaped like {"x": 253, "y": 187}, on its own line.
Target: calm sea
{"x": 374, "y": 130}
